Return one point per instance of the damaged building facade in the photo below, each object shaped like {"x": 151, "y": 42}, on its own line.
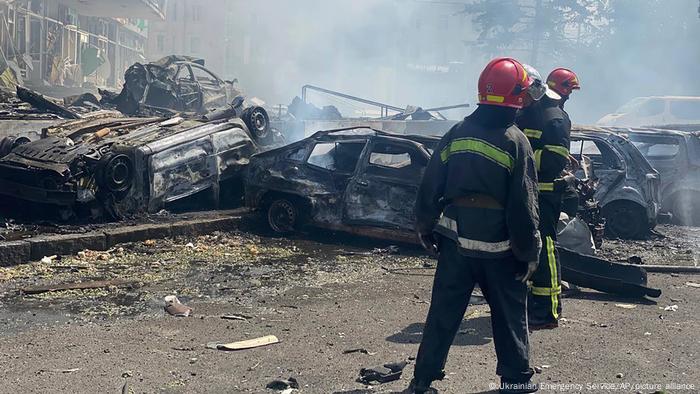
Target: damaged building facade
{"x": 64, "y": 46}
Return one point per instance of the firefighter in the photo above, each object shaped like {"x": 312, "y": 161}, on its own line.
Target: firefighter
{"x": 548, "y": 129}
{"x": 477, "y": 208}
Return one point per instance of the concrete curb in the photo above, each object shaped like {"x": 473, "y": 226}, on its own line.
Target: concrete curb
{"x": 19, "y": 252}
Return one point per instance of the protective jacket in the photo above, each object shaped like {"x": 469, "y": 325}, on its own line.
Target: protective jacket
{"x": 480, "y": 188}
{"x": 548, "y": 128}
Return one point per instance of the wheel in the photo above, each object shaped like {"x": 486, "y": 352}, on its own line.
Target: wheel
{"x": 258, "y": 123}
{"x": 625, "y": 219}
{"x": 685, "y": 211}
{"x": 282, "y": 215}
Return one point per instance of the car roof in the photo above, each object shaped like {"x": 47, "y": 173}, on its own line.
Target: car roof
{"x": 684, "y": 98}
{"x": 364, "y": 132}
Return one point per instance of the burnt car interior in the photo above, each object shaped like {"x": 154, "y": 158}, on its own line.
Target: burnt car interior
{"x": 602, "y": 157}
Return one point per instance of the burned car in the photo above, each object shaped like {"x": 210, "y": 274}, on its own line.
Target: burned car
{"x": 676, "y": 155}
{"x": 627, "y": 185}
{"x": 365, "y": 181}
{"x": 356, "y": 180}
{"x": 116, "y": 166}
{"x": 173, "y": 83}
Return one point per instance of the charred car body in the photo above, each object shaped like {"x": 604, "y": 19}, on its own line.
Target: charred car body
{"x": 676, "y": 155}
{"x": 173, "y": 83}
{"x": 357, "y": 180}
{"x": 627, "y": 185}
{"x": 361, "y": 179}
{"x": 365, "y": 181}
{"x": 118, "y": 166}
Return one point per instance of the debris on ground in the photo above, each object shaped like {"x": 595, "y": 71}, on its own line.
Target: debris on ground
{"x": 236, "y": 317}
{"x": 692, "y": 284}
{"x": 359, "y": 350}
{"x": 42, "y": 103}
{"x": 383, "y": 373}
{"x": 671, "y": 308}
{"x": 247, "y": 344}
{"x": 626, "y": 306}
{"x": 174, "y": 307}
{"x": 48, "y": 259}
{"x": 60, "y": 370}
{"x": 283, "y": 384}
{"x": 97, "y": 284}
{"x": 635, "y": 260}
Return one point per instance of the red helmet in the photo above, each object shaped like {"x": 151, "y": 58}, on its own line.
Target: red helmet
{"x": 503, "y": 82}
{"x": 563, "y": 81}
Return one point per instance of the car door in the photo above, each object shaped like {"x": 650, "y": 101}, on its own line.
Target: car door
{"x": 664, "y": 152}
{"x": 383, "y": 190}
{"x": 212, "y": 87}
{"x": 188, "y": 90}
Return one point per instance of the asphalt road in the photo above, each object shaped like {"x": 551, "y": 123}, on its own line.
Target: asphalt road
{"x": 320, "y": 295}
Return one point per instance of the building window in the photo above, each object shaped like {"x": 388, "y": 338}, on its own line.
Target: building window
{"x": 194, "y": 44}
{"x": 196, "y": 13}
{"x": 160, "y": 42}
{"x": 173, "y": 12}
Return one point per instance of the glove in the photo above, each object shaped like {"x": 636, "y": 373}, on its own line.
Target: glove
{"x": 575, "y": 165}
{"x": 564, "y": 182}
{"x": 531, "y": 268}
{"x": 429, "y": 243}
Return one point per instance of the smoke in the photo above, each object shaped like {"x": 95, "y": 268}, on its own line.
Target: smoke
{"x": 396, "y": 52}
{"x": 405, "y": 52}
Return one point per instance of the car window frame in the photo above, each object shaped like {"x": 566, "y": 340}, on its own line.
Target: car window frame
{"x": 361, "y": 169}
{"x": 310, "y": 150}
{"x": 620, "y": 161}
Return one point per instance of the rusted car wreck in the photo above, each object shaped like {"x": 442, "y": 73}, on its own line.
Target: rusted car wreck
{"x": 365, "y": 181}
{"x": 115, "y": 166}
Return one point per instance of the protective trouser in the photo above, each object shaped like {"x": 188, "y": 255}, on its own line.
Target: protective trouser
{"x": 455, "y": 279}
{"x": 544, "y": 305}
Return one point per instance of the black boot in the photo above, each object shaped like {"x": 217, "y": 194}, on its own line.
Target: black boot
{"x": 420, "y": 387}
{"x": 518, "y": 388}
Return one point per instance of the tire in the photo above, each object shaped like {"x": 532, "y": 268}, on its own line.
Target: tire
{"x": 686, "y": 211}
{"x": 283, "y": 215}
{"x": 626, "y": 220}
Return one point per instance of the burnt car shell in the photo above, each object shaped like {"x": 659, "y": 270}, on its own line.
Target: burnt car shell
{"x": 176, "y": 83}
{"x": 124, "y": 165}
{"x": 628, "y": 186}
{"x": 676, "y": 155}
{"x": 356, "y": 180}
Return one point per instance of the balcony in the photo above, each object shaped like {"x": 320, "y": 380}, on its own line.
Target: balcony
{"x": 141, "y": 9}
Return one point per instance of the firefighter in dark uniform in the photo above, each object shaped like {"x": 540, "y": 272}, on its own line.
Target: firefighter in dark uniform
{"x": 477, "y": 207}
{"x": 548, "y": 128}
{"x": 564, "y": 81}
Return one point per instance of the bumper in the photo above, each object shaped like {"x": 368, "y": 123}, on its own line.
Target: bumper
{"x": 36, "y": 194}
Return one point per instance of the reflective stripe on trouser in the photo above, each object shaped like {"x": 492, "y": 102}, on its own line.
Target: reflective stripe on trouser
{"x": 454, "y": 281}
{"x": 450, "y": 225}
{"x": 544, "y": 304}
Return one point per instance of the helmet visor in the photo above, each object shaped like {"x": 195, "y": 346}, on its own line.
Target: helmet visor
{"x": 536, "y": 90}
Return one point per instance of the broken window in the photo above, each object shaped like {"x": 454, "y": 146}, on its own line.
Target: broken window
{"x": 686, "y": 109}
{"x": 297, "y": 154}
{"x": 196, "y": 13}
{"x": 657, "y": 148}
{"x": 336, "y": 156}
{"x": 204, "y": 77}
{"x": 602, "y": 156}
{"x": 396, "y": 161}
